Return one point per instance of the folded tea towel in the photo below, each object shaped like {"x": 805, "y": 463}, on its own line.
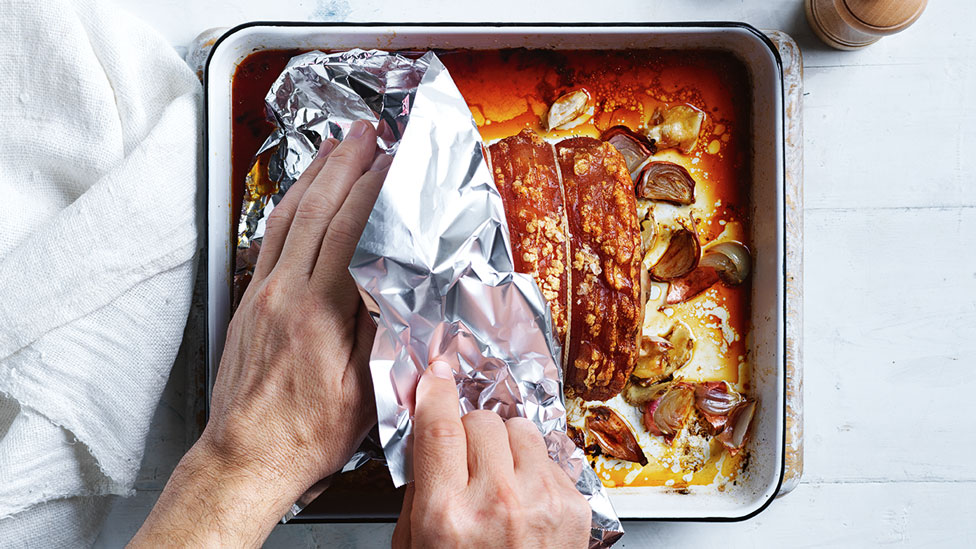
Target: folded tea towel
{"x": 99, "y": 152}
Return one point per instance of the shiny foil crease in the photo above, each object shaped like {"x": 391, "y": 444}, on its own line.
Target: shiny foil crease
{"x": 434, "y": 263}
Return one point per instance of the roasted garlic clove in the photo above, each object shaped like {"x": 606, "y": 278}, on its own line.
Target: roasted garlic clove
{"x": 677, "y": 126}
{"x": 736, "y": 431}
{"x": 658, "y": 359}
{"x": 635, "y": 148}
{"x": 666, "y": 181}
{"x": 570, "y": 110}
{"x": 730, "y": 259}
{"x": 614, "y": 435}
{"x": 680, "y": 258}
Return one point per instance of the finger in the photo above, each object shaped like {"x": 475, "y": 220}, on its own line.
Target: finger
{"x": 489, "y": 455}
{"x": 401, "y": 534}
{"x": 356, "y": 379}
{"x": 280, "y": 219}
{"x": 332, "y": 267}
{"x": 439, "y": 445}
{"x": 325, "y": 195}
{"x": 529, "y": 453}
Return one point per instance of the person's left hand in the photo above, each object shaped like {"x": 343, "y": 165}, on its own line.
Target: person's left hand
{"x": 292, "y": 398}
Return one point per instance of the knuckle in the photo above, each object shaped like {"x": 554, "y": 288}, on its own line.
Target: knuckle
{"x": 505, "y": 507}
{"x": 346, "y": 157}
{"x": 345, "y": 229}
{"x": 314, "y": 205}
{"x": 442, "y": 429}
{"x": 269, "y": 297}
{"x": 481, "y": 418}
{"x": 523, "y": 427}
{"x": 277, "y": 220}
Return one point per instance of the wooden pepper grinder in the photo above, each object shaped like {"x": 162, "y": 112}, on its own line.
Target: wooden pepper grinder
{"x": 853, "y": 24}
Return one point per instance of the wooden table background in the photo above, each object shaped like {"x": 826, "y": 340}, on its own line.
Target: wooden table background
{"x": 890, "y": 277}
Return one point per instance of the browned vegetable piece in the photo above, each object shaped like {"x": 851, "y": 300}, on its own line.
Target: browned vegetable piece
{"x": 680, "y": 258}
{"x": 666, "y": 181}
{"x": 576, "y": 436}
{"x": 668, "y": 414}
{"x": 527, "y": 178}
{"x": 731, "y": 260}
{"x": 659, "y": 360}
{"x": 635, "y": 148}
{"x": 569, "y": 110}
{"x": 605, "y": 256}
{"x": 684, "y": 288}
{"x": 614, "y": 435}
{"x": 639, "y": 392}
{"x": 736, "y": 431}
{"x": 677, "y": 126}
{"x": 716, "y": 400}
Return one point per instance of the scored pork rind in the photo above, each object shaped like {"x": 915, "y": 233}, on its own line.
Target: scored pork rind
{"x": 605, "y": 268}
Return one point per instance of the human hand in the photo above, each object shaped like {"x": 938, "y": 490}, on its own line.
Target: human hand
{"x": 292, "y": 399}
{"x": 483, "y": 482}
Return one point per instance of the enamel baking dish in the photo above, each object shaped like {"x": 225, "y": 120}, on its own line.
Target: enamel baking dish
{"x": 758, "y": 484}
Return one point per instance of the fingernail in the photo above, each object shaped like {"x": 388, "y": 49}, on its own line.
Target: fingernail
{"x": 357, "y": 129}
{"x": 441, "y": 369}
{"x": 381, "y": 162}
{"x": 326, "y": 147}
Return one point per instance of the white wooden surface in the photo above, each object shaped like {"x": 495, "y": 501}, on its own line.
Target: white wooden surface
{"x": 890, "y": 281}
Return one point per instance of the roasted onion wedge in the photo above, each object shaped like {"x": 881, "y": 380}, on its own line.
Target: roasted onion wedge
{"x": 730, "y": 259}
{"x": 679, "y": 258}
{"x": 684, "y": 288}
{"x": 614, "y": 435}
{"x": 715, "y": 400}
{"x": 668, "y": 414}
{"x": 677, "y": 126}
{"x": 570, "y": 110}
{"x": 736, "y": 431}
{"x": 635, "y": 148}
{"x": 667, "y": 182}
{"x": 639, "y": 392}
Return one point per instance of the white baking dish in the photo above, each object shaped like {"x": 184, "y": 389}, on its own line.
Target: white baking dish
{"x": 754, "y": 489}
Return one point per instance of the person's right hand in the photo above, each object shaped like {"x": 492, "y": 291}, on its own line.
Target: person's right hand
{"x": 483, "y": 482}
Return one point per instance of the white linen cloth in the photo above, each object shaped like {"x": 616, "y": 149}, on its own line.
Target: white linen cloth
{"x": 99, "y": 151}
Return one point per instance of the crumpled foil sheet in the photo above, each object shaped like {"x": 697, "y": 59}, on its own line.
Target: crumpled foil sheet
{"x": 434, "y": 264}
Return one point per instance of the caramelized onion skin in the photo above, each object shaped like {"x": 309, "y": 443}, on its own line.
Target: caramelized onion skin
{"x": 736, "y": 432}
{"x": 667, "y": 182}
{"x": 680, "y": 258}
{"x": 715, "y": 400}
{"x": 634, "y": 147}
{"x": 673, "y": 408}
{"x": 613, "y": 435}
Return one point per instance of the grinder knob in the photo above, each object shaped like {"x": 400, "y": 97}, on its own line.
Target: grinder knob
{"x": 853, "y": 24}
